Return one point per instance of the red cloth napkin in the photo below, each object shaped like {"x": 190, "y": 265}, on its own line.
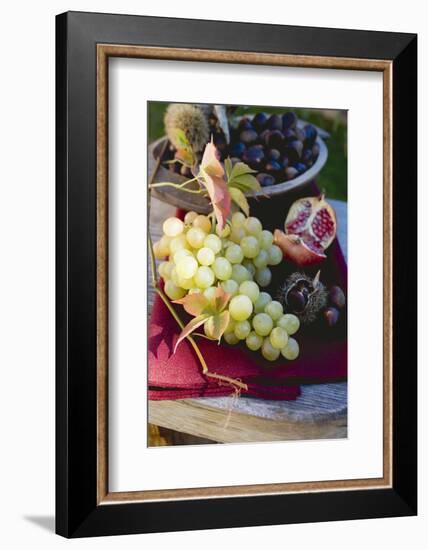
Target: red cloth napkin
{"x": 323, "y": 352}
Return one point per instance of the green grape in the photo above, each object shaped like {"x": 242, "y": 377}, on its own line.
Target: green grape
{"x": 225, "y": 232}
{"x": 238, "y": 219}
{"x": 240, "y": 307}
{"x": 205, "y": 256}
{"x": 262, "y": 324}
{"x": 174, "y": 277}
{"x": 209, "y": 292}
{"x": 180, "y": 254}
{"x": 157, "y": 251}
{"x": 263, "y": 276}
{"x": 204, "y": 277}
{"x": 250, "y": 246}
{"x": 178, "y": 243}
{"x": 261, "y": 302}
{"x": 230, "y": 287}
{"x": 275, "y": 255}
{"x": 231, "y": 326}
{"x": 187, "y": 267}
{"x": 242, "y": 329}
{"x": 165, "y": 269}
{"x": 164, "y": 244}
{"x": 194, "y": 290}
{"x": 234, "y": 254}
{"x": 172, "y": 227}
{"x": 237, "y": 234}
{"x": 189, "y": 218}
{"x": 266, "y": 239}
{"x": 195, "y": 237}
{"x": 248, "y": 264}
{"x": 222, "y": 268}
{"x": 289, "y": 322}
{"x": 291, "y": 350}
{"x": 187, "y": 284}
{"x": 250, "y": 289}
{"x": 268, "y": 351}
{"x": 213, "y": 242}
{"x": 240, "y": 274}
{"x": 261, "y": 260}
{"x": 274, "y": 310}
{"x": 230, "y": 338}
{"x": 278, "y": 338}
{"x": 173, "y": 291}
{"x": 254, "y": 341}
{"x": 253, "y": 226}
{"x": 202, "y": 222}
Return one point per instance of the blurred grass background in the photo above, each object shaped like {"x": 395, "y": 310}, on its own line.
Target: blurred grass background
{"x": 333, "y": 177}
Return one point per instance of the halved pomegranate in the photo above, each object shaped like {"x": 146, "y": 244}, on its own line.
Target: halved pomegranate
{"x": 310, "y": 228}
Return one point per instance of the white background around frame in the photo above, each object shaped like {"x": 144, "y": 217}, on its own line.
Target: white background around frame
{"x": 133, "y": 466}
{"x": 27, "y": 288}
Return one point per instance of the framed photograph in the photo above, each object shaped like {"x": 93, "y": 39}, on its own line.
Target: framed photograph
{"x": 236, "y": 274}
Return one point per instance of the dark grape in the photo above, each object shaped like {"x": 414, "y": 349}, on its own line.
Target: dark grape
{"x": 310, "y": 135}
{"x": 245, "y": 124}
{"x": 290, "y": 173}
{"x": 273, "y": 154}
{"x": 254, "y": 157}
{"x": 237, "y": 149}
{"x": 275, "y": 140}
{"x": 274, "y": 122}
{"x": 289, "y": 120}
{"x": 259, "y": 121}
{"x": 248, "y": 136}
{"x": 265, "y": 179}
{"x": 300, "y": 167}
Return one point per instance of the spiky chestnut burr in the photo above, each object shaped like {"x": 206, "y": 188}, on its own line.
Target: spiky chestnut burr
{"x": 191, "y": 120}
{"x": 303, "y": 296}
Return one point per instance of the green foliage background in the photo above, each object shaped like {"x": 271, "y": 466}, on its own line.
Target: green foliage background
{"x": 333, "y": 177}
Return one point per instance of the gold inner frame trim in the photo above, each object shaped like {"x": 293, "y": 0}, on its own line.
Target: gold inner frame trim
{"x": 104, "y": 51}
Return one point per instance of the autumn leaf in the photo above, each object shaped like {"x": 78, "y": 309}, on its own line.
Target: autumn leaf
{"x": 184, "y": 150}
{"x": 210, "y": 312}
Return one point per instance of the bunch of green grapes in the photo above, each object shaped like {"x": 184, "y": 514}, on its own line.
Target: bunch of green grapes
{"x": 238, "y": 258}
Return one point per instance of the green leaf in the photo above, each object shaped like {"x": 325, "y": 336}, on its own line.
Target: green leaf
{"x": 239, "y": 169}
{"x": 216, "y": 325}
{"x": 246, "y": 182}
{"x": 190, "y": 327}
{"x": 228, "y": 167}
{"x": 238, "y": 197}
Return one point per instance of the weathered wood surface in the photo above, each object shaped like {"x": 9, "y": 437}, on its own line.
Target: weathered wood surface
{"x": 229, "y": 426}
{"x": 321, "y": 409}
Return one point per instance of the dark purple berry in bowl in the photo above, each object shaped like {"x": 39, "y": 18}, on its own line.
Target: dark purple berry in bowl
{"x": 248, "y": 136}
{"x": 307, "y": 157}
{"x": 290, "y": 173}
{"x": 289, "y": 120}
{"x": 265, "y": 180}
{"x": 274, "y": 122}
{"x": 254, "y": 157}
{"x": 310, "y": 135}
{"x": 245, "y": 124}
{"x": 275, "y": 140}
{"x": 273, "y": 154}
{"x": 315, "y": 151}
{"x": 259, "y": 121}
{"x": 273, "y": 167}
{"x": 300, "y": 167}
{"x": 237, "y": 149}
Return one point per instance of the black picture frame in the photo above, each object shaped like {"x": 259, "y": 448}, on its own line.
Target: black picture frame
{"x": 78, "y": 513}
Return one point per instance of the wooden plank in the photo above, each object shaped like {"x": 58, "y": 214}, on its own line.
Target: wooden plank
{"x": 224, "y": 426}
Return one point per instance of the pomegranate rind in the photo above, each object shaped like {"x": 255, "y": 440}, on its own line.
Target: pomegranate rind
{"x": 302, "y": 219}
{"x": 295, "y": 250}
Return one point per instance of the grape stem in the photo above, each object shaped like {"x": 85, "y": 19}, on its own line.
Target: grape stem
{"x": 179, "y": 186}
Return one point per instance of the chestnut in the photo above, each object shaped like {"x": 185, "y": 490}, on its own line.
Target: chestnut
{"x": 245, "y": 124}
{"x": 259, "y": 121}
{"x": 289, "y": 120}
{"x": 310, "y": 134}
{"x": 337, "y": 297}
{"x": 265, "y": 180}
{"x": 275, "y": 140}
{"x": 296, "y": 300}
{"x": 273, "y": 167}
{"x": 300, "y": 167}
{"x": 274, "y": 122}
{"x": 331, "y": 316}
{"x": 290, "y": 173}
{"x": 248, "y": 136}
{"x": 237, "y": 149}
{"x": 254, "y": 157}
